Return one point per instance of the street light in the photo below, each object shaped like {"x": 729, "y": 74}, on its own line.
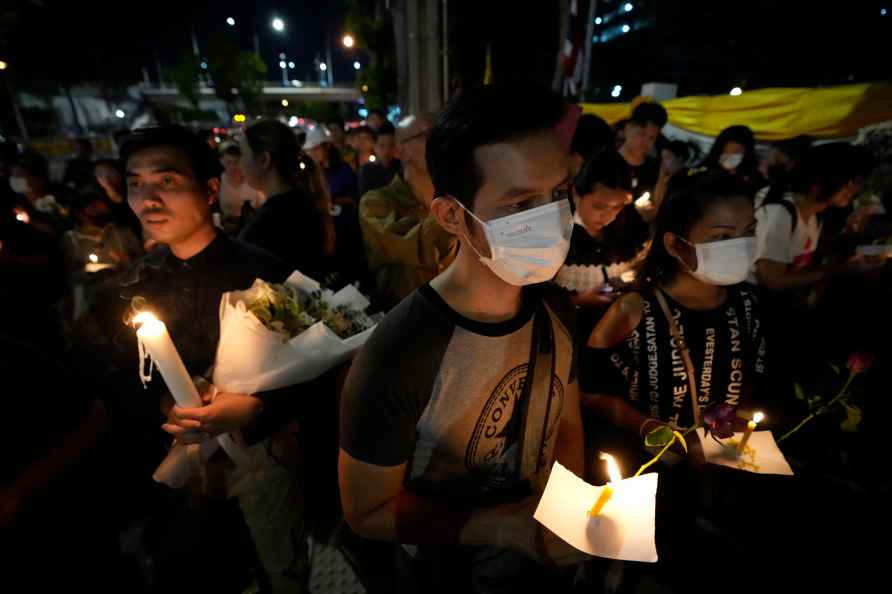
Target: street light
{"x": 626, "y": 28}
{"x": 348, "y": 41}
{"x": 736, "y": 91}
{"x": 323, "y": 66}
{"x": 284, "y": 102}
{"x": 278, "y": 24}
{"x": 119, "y": 113}
{"x": 3, "y": 65}
{"x": 282, "y": 64}
{"x": 230, "y": 21}
{"x": 291, "y": 65}
{"x": 356, "y": 66}
{"x": 628, "y": 7}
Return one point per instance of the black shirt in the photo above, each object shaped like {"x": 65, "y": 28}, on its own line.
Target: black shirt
{"x": 376, "y": 175}
{"x": 727, "y": 350}
{"x": 644, "y": 176}
{"x": 289, "y": 226}
{"x": 185, "y": 294}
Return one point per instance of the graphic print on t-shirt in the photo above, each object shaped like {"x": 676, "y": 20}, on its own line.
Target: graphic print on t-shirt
{"x": 493, "y": 452}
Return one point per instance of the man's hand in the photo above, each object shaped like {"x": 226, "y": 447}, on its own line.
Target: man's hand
{"x": 224, "y": 413}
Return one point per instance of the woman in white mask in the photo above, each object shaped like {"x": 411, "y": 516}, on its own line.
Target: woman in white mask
{"x": 632, "y": 372}
{"x": 734, "y": 151}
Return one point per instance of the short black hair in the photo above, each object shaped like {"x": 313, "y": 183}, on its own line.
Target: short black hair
{"x": 334, "y": 121}
{"x": 649, "y": 113}
{"x": 680, "y": 149}
{"x": 592, "y": 134}
{"x": 386, "y": 129}
{"x": 794, "y": 148}
{"x": 35, "y": 164}
{"x": 479, "y": 117}
{"x": 233, "y": 150}
{"x": 116, "y": 164}
{"x": 606, "y": 168}
{"x": 203, "y": 159}
{"x": 377, "y": 111}
{"x": 365, "y": 130}
{"x": 829, "y": 167}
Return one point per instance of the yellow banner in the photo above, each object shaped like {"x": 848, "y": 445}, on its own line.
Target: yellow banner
{"x": 773, "y": 114}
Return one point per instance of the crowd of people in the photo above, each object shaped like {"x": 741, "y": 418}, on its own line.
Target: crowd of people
{"x": 644, "y": 283}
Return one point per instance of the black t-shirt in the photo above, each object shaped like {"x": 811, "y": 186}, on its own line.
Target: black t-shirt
{"x": 438, "y": 390}
{"x": 727, "y": 350}
{"x": 289, "y": 226}
{"x": 375, "y": 175}
{"x": 644, "y": 176}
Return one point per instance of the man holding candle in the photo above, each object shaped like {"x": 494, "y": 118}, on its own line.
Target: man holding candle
{"x": 172, "y": 182}
{"x": 448, "y": 434}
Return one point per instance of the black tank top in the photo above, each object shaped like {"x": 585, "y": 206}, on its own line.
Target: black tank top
{"x": 726, "y": 346}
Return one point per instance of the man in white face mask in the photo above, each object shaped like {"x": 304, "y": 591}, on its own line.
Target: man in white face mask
{"x": 453, "y": 414}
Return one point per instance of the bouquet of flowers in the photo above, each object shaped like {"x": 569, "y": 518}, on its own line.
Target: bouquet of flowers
{"x": 276, "y": 335}
{"x": 273, "y": 336}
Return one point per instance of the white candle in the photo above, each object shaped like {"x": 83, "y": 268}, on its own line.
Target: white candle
{"x": 155, "y": 341}
{"x": 154, "y": 338}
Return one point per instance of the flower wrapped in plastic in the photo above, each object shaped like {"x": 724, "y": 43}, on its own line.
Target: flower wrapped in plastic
{"x": 277, "y": 335}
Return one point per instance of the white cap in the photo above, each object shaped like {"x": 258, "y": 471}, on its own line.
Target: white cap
{"x": 315, "y": 137}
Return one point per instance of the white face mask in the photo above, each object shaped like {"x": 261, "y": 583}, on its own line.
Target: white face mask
{"x": 528, "y": 247}
{"x": 724, "y": 262}
{"x": 731, "y": 161}
{"x": 19, "y": 185}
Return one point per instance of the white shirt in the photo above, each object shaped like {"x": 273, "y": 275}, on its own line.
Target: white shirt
{"x": 233, "y": 197}
{"x": 777, "y": 240}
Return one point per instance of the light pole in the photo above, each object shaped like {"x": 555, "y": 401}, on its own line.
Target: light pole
{"x": 284, "y": 66}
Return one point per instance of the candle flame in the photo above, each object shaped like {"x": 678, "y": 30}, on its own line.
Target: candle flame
{"x": 94, "y": 258}
{"x": 147, "y": 324}
{"x": 612, "y": 468}
{"x": 757, "y": 418}
{"x": 22, "y": 217}
{"x": 643, "y": 200}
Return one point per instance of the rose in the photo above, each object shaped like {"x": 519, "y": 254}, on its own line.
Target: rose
{"x": 859, "y": 362}
{"x": 719, "y": 420}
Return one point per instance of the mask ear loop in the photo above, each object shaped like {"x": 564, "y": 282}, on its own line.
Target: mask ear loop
{"x": 468, "y": 237}
{"x": 687, "y": 268}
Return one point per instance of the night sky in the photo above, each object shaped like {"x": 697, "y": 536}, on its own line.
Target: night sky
{"x": 55, "y": 40}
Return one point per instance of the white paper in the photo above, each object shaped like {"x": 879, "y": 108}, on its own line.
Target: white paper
{"x": 761, "y": 456}
{"x": 623, "y": 530}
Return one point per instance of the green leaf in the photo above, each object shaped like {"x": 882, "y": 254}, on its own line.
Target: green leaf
{"x": 659, "y": 436}
{"x": 835, "y": 368}
{"x": 853, "y": 418}
{"x": 680, "y": 438}
{"x": 800, "y": 393}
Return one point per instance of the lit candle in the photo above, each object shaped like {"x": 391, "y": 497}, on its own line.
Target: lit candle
{"x": 154, "y": 341}
{"x": 94, "y": 258}
{"x": 643, "y": 201}
{"x": 607, "y": 491}
{"x": 22, "y": 216}
{"x": 750, "y": 427}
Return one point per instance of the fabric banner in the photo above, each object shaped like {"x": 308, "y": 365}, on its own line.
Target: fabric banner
{"x": 773, "y": 114}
